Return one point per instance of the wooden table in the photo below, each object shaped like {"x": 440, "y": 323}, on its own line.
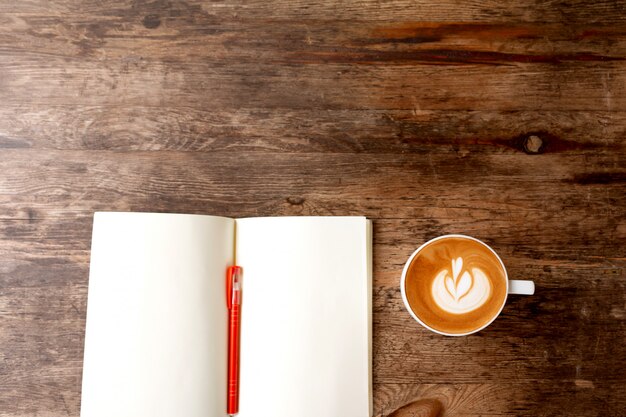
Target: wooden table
{"x": 505, "y": 122}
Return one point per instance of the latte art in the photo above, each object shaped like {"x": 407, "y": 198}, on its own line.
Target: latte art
{"x": 458, "y": 292}
{"x": 455, "y": 284}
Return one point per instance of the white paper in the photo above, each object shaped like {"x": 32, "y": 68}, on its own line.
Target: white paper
{"x": 156, "y": 334}
{"x": 306, "y": 316}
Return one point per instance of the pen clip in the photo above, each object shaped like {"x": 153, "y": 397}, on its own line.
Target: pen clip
{"x": 233, "y": 286}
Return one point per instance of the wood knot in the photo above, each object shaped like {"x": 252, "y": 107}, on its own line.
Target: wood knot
{"x": 533, "y": 144}
{"x": 295, "y": 201}
{"x": 151, "y": 21}
{"x": 32, "y": 215}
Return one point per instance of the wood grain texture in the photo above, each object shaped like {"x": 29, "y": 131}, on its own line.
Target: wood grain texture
{"x": 140, "y": 128}
{"x": 574, "y": 12}
{"x": 502, "y": 121}
{"x": 209, "y": 63}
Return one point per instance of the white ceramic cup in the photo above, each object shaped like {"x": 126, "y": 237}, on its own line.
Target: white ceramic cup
{"x": 513, "y": 286}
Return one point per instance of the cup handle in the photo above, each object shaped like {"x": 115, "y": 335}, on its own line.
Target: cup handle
{"x": 521, "y": 287}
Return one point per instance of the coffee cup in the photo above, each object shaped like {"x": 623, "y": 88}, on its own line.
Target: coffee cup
{"x": 457, "y": 285}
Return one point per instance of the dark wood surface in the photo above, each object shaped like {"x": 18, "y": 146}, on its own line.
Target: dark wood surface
{"x": 502, "y": 121}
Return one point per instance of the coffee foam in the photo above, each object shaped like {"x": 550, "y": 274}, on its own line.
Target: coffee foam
{"x": 460, "y": 293}
{"x": 455, "y": 285}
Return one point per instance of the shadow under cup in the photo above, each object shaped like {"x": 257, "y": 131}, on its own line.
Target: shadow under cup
{"x": 455, "y": 285}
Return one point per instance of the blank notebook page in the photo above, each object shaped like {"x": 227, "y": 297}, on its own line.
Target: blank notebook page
{"x": 156, "y": 316}
{"x": 306, "y": 316}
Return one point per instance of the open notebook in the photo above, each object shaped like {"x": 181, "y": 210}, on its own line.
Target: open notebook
{"x": 156, "y": 336}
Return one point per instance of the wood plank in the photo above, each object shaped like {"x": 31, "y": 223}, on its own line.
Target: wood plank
{"x": 204, "y": 39}
{"x": 577, "y": 12}
{"x": 498, "y": 186}
{"x": 140, "y": 128}
{"x": 213, "y": 64}
{"x": 318, "y": 85}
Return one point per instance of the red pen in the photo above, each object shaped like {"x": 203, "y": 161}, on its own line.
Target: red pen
{"x": 233, "y": 300}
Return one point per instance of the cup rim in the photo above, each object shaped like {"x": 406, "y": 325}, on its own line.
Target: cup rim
{"x": 408, "y": 263}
